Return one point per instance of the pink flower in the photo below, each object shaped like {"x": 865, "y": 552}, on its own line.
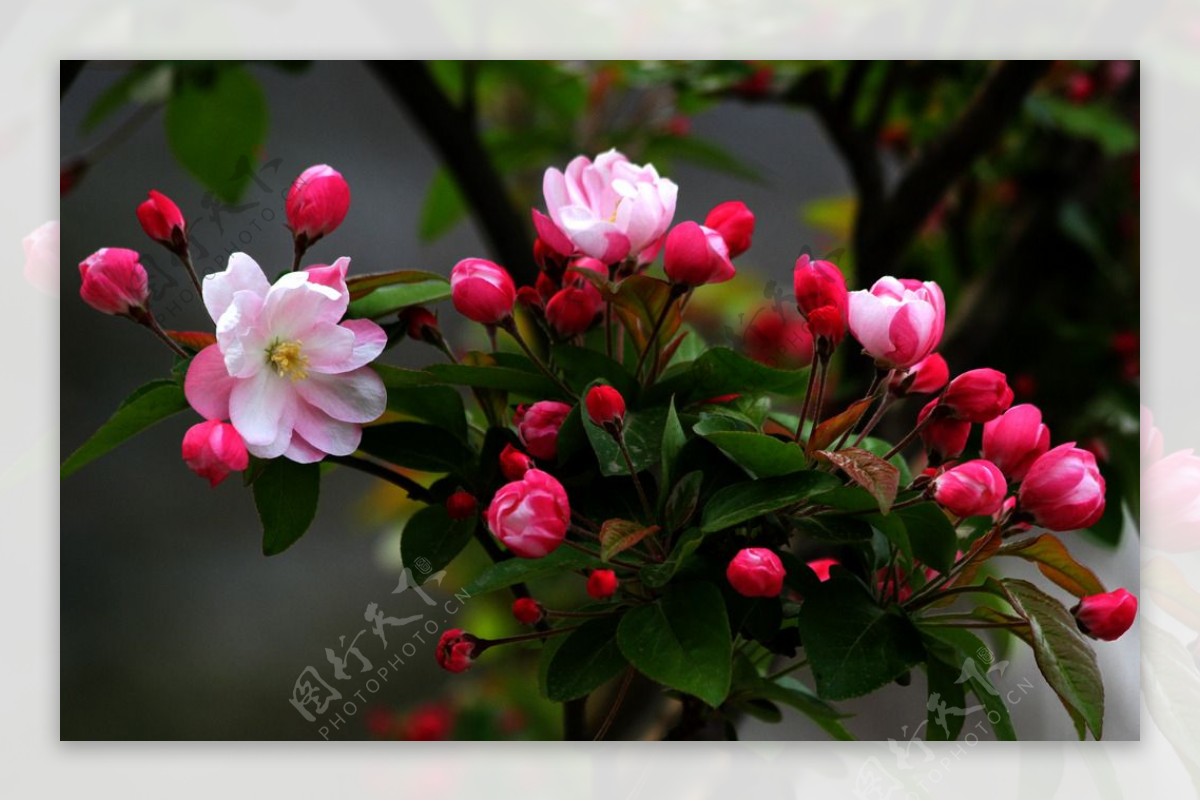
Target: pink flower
{"x": 539, "y": 427}
{"x": 456, "y": 650}
{"x": 695, "y": 255}
{"x": 514, "y": 464}
{"x": 822, "y": 567}
{"x": 114, "y": 281}
{"x": 317, "y": 202}
{"x": 605, "y": 406}
{"x": 530, "y": 516}
{"x": 925, "y": 377}
{"x": 1063, "y": 489}
{"x": 602, "y": 584}
{"x": 461, "y": 505}
{"x": 162, "y": 220}
{"x": 1106, "y": 616}
{"x": 41, "y": 257}
{"x": 735, "y": 223}
{"x": 482, "y": 291}
{"x": 609, "y": 209}
{"x": 821, "y": 296}
{"x": 1151, "y": 438}
{"x": 290, "y": 377}
{"x": 213, "y": 450}
{"x": 978, "y": 395}
{"x": 899, "y": 322}
{"x": 779, "y": 339}
{"x": 944, "y": 437}
{"x": 756, "y": 573}
{"x": 972, "y": 488}
{"x": 1015, "y": 439}
{"x": 1171, "y": 502}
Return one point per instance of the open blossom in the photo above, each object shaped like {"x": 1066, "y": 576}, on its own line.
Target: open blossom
{"x": 1063, "y": 489}
{"x": 530, "y": 516}
{"x": 287, "y": 371}
{"x": 609, "y": 209}
{"x": 1171, "y": 502}
{"x": 695, "y": 255}
{"x": 1015, "y": 439}
{"x": 899, "y": 321}
{"x": 213, "y": 450}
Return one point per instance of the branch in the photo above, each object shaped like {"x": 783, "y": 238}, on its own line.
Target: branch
{"x": 452, "y": 133}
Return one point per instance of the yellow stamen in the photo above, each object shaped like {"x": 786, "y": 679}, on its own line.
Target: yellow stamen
{"x": 287, "y": 360}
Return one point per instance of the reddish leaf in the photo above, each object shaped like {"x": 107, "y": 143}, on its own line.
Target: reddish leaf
{"x": 193, "y": 340}
{"x": 875, "y": 475}
{"x": 829, "y": 430}
{"x": 620, "y": 535}
{"x": 1056, "y": 564}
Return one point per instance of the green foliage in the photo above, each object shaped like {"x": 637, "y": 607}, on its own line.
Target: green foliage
{"x": 587, "y": 658}
{"x": 147, "y": 405}
{"x": 285, "y": 494}
{"x": 402, "y": 289}
{"x": 742, "y": 502}
{"x": 516, "y": 570}
{"x": 431, "y": 535}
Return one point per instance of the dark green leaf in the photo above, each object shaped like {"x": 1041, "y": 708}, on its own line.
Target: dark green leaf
{"x": 835, "y": 528}
{"x": 443, "y": 207}
{"x": 587, "y": 658}
{"x": 720, "y": 371}
{"x": 741, "y": 502}
{"x": 1094, "y": 121}
{"x": 682, "y": 640}
{"x": 581, "y": 367}
{"x": 438, "y": 405}
{"x": 787, "y": 690}
{"x": 147, "y": 405}
{"x": 285, "y": 494}
{"x": 683, "y": 501}
{"x": 417, "y": 446}
{"x": 432, "y": 536}
{"x": 761, "y": 455}
{"x": 643, "y": 439}
{"x": 933, "y": 538}
{"x": 364, "y": 284}
{"x": 534, "y": 385}
{"x": 673, "y": 440}
{"x": 657, "y": 575}
{"x": 956, "y": 648}
{"x": 515, "y": 570}
{"x": 217, "y": 129}
{"x": 391, "y": 298}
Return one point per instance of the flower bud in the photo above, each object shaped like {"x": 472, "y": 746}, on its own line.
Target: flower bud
{"x": 822, "y": 567}
{"x": 547, "y": 258}
{"x": 114, "y": 281}
{"x": 482, "y": 291}
{"x": 978, "y": 395}
{"x": 1015, "y": 439}
{"x": 972, "y": 488}
{"x": 213, "y": 450}
{"x": 539, "y": 425}
{"x": 1106, "y": 616}
{"x": 899, "y": 321}
{"x": 756, "y": 573}
{"x": 456, "y": 650}
{"x": 573, "y": 309}
{"x": 778, "y": 339}
{"x": 1063, "y": 489}
{"x": 817, "y": 284}
{"x": 421, "y": 324}
{"x": 827, "y": 322}
{"x": 695, "y": 255}
{"x": 514, "y": 464}
{"x": 461, "y": 505}
{"x": 317, "y": 202}
{"x": 944, "y": 437}
{"x": 527, "y": 611}
{"x": 530, "y": 516}
{"x": 605, "y": 406}
{"x": 735, "y": 223}
{"x": 924, "y": 378}
{"x": 162, "y": 221}
{"x": 602, "y": 584}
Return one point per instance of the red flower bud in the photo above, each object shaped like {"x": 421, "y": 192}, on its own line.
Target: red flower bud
{"x": 572, "y": 310}
{"x": 1080, "y": 87}
{"x": 756, "y": 573}
{"x": 978, "y": 395}
{"x": 818, "y": 284}
{"x": 827, "y": 322}
{"x": 514, "y": 464}
{"x": 317, "y": 202}
{"x": 822, "y": 567}
{"x": 456, "y": 650}
{"x": 420, "y": 323}
{"x": 527, "y": 611}
{"x": 539, "y": 425}
{"x": 162, "y": 221}
{"x": 213, "y": 450}
{"x": 461, "y": 505}
{"x": 695, "y": 255}
{"x": 779, "y": 339}
{"x": 602, "y": 584}
{"x": 482, "y": 291}
{"x": 114, "y": 281}
{"x": 1063, "y": 489}
{"x": 925, "y": 377}
{"x": 972, "y": 488}
{"x": 605, "y": 406}
{"x": 1107, "y": 616}
{"x": 735, "y": 223}
{"x": 1015, "y": 439}
{"x": 944, "y": 437}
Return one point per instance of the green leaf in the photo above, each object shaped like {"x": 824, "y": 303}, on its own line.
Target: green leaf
{"x": 431, "y": 535}
{"x": 643, "y": 439}
{"x": 763, "y": 456}
{"x": 870, "y": 472}
{"x": 721, "y": 371}
{"x": 516, "y": 570}
{"x": 933, "y": 538}
{"x": 617, "y": 536}
{"x": 656, "y": 576}
{"x": 741, "y": 502}
{"x": 438, "y": 405}
{"x": 443, "y": 207}
{"x": 957, "y": 646}
{"x": 1063, "y": 655}
{"x": 947, "y": 702}
{"x": 1094, "y": 121}
{"x": 683, "y": 501}
{"x": 216, "y": 130}
{"x": 509, "y": 379}
{"x": 682, "y": 640}
{"x": 391, "y": 298}
{"x": 852, "y": 644}
{"x": 587, "y": 658}
{"x": 673, "y": 440}
{"x": 1056, "y": 564}
{"x": 787, "y": 690}
{"x": 417, "y": 446}
{"x": 364, "y": 284}
{"x": 835, "y": 528}
{"x": 146, "y": 406}
{"x": 286, "y": 494}
{"x": 581, "y": 367}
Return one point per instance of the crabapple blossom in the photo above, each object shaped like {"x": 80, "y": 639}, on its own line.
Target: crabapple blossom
{"x": 756, "y": 573}
{"x": 735, "y": 223}
{"x": 317, "y": 202}
{"x": 972, "y": 488}
{"x": 482, "y": 291}
{"x": 530, "y": 516}
{"x": 1106, "y": 616}
{"x": 602, "y": 584}
{"x": 114, "y": 281}
{"x": 695, "y": 255}
{"x": 1063, "y": 489}
{"x": 1015, "y": 439}
{"x": 898, "y": 321}
{"x": 538, "y": 426}
{"x": 162, "y": 221}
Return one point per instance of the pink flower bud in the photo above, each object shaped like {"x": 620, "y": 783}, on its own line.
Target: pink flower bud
{"x": 114, "y": 281}
{"x": 514, "y": 464}
{"x": 530, "y": 516}
{"x": 779, "y": 339}
{"x": 820, "y": 285}
{"x": 1015, "y": 439}
{"x": 162, "y": 221}
{"x": 944, "y": 437}
{"x": 213, "y": 450}
{"x": 539, "y": 425}
{"x": 899, "y": 322}
{"x": 972, "y": 488}
{"x": 602, "y": 584}
{"x": 527, "y": 611}
{"x": 735, "y": 223}
{"x": 1106, "y": 616}
{"x": 573, "y": 309}
{"x": 605, "y": 406}
{"x": 482, "y": 291}
{"x": 978, "y": 395}
{"x": 756, "y": 573}
{"x": 456, "y": 650}
{"x": 1063, "y": 489}
{"x": 822, "y": 567}
{"x": 317, "y": 202}
{"x": 695, "y": 255}
{"x": 925, "y": 377}
{"x": 461, "y": 505}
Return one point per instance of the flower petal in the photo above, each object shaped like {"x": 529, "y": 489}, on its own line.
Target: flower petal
{"x": 295, "y": 304}
{"x": 241, "y": 336}
{"x": 301, "y": 451}
{"x": 241, "y": 275}
{"x": 328, "y": 348}
{"x": 261, "y": 407}
{"x": 323, "y": 433}
{"x": 354, "y": 397}
{"x": 369, "y": 342}
{"x": 208, "y": 384}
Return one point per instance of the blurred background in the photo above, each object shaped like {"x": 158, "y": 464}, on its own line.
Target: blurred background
{"x": 1017, "y": 191}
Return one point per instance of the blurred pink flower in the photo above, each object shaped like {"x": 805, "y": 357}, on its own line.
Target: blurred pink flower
{"x": 41, "y": 257}
{"x": 1171, "y": 502}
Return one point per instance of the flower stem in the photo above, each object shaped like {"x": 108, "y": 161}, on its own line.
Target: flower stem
{"x": 909, "y": 437}
{"x": 818, "y": 398}
{"x": 414, "y": 490}
{"x": 185, "y": 256}
{"x": 786, "y": 670}
{"x": 676, "y": 291}
{"x": 916, "y": 603}
{"x": 812, "y": 381}
{"x": 146, "y": 318}
{"x": 619, "y": 436}
{"x": 590, "y": 552}
{"x": 622, "y": 691}
{"x": 534, "y": 635}
{"x": 510, "y": 326}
